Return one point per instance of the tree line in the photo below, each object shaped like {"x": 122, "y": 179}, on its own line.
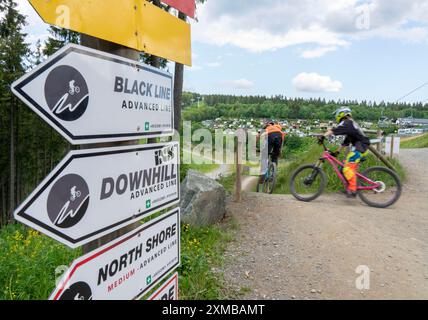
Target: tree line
{"x": 281, "y": 107}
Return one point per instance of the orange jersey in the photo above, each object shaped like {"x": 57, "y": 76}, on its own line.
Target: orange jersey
{"x": 275, "y": 128}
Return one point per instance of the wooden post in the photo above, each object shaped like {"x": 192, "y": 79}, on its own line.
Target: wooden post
{"x": 392, "y": 147}
{"x": 379, "y": 144}
{"x": 238, "y": 160}
{"x": 382, "y": 158}
{"x": 241, "y": 139}
{"x": 122, "y": 51}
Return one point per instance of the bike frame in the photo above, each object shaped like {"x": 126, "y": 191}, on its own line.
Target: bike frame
{"x": 335, "y": 163}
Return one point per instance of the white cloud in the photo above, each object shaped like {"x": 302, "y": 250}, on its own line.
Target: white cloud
{"x": 317, "y": 52}
{"x": 258, "y": 40}
{"x": 238, "y": 84}
{"x": 214, "y": 64}
{"x": 313, "y": 82}
{"x": 268, "y": 25}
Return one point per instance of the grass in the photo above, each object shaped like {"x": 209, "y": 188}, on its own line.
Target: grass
{"x": 201, "y": 164}
{"x": 416, "y": 143}
{"x": 204, "y": 168}
{"x": 310, "y": 156}
{"x": 202, "y": 258}
{"x": 228, "y": 182}
{"x": 29, "y": 261}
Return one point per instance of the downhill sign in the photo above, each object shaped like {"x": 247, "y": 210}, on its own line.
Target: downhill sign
{"x": 127, "y": 267}
{"x": 90, "y": 96}
{"x": 94, "y": 192}
{"x": 168, "y": 291}
{"x": 135, "y": 24}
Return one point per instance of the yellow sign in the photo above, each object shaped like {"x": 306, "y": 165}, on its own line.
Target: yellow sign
{"x": 135, "y": 24}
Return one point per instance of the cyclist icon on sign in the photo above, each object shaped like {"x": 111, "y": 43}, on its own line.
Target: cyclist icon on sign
{"x": 74, "y": 89}
{"x": 75, "y": 193}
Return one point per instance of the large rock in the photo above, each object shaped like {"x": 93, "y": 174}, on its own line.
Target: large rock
{"x": 203, "y": 200}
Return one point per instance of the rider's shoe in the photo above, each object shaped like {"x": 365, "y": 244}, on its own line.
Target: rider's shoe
{"x": 351, "y": 194}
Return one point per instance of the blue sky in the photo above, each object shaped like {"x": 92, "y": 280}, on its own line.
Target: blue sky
{"x": 333, "y": 49}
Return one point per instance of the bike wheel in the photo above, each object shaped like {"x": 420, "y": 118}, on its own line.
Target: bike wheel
{"x": 267, "y": 182}
{"x": 271, "y": 182}
{"x": 387, "y": 194}
{"x": 308, "y": 183}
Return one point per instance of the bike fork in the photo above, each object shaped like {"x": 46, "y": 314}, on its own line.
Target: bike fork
{"x": 315, "y": 173}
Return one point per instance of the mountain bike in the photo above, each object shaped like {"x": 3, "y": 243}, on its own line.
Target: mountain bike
{"x": 267, "y": 182}
{"x": 378, "y": 187}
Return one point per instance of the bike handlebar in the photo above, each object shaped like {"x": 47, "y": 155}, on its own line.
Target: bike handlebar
{"x": 321, "y": 140}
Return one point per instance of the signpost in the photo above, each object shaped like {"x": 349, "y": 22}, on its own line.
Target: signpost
{"x": 136, "y": 24}
{"x": 92, "y": 97}
{"x": 127, "y": 267}
{"x": 169, "y": 291}
{"x": 94, "y": 192}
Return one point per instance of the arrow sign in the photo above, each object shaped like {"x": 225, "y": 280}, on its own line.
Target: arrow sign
{"x": 94, "y": 192}
{"x": 136, "y": 24}
{"x": 125, "y": 268}
{"x": 169, "y": 291}
{"x": 92, "y": 97}
{"x": 186, "y": 6}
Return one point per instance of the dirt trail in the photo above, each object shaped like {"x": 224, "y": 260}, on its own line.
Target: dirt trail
{"x": 287, "y": 249}
{"x": 222, "y": 170}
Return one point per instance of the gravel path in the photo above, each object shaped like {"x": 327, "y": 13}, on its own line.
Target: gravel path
{"x": 287, "y": 249}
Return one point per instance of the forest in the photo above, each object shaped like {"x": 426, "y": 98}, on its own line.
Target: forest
{"x": 281, "y": 107}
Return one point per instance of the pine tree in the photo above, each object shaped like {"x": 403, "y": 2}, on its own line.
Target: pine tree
{"x": 58, "y": 38}
{"x": 13, "y": 54}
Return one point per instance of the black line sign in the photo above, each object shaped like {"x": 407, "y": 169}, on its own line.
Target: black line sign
{"x": 90, "y": 96}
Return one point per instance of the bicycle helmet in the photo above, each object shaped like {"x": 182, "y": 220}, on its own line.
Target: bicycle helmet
{"x": 341, "y": 113}
{"x": 269, "y": 123}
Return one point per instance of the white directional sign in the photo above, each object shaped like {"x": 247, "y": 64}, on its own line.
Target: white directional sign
{"x": 127, "y": 267}
{"x": 168, "y": 291}
{"x": 94, "y": 192}
{"x": 90, "y": 96}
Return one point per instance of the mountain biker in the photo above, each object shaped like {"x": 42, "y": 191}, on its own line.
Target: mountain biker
{"x": 273, "y": 139}
{"x": 353, "y": 136}
{"x": 276, "y": 138}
